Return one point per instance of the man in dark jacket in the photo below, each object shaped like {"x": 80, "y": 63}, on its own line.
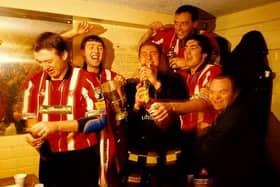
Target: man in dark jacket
{"x": 153, "y": 144}
{"x": 230, "y": 149}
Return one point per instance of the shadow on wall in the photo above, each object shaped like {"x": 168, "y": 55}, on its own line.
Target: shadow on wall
{"x": 110, "y": 53}
{"x": 273, "y": 143}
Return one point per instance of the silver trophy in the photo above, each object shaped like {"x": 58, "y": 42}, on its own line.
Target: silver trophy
{"x": 114, "y": 94}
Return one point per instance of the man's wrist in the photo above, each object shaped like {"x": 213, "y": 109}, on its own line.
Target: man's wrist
{"x": 157, "y": 86}
{"x": 68, "y": 34}
{"x": 171, "y": 107}
{"x": 136, "y": 107}
{"x": 57, "y": 127}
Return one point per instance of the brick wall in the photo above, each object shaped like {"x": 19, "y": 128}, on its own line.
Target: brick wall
{"x": 16, "y": 156}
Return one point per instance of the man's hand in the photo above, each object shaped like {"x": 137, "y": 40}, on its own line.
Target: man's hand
{"x": 82, "y": 27}
{"x": 147, "y": 73}
{"x": 156, "y": 26}
{"x": 177, "y": 63}
{"x": 152, "y": 30}
{"x": 43, "y": 129}
{"x": 160, "y": 114}
{"x": 34, "y": 142}
{"x": 77, "y": 29}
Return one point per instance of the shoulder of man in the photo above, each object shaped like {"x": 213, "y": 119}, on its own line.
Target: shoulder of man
{"x": 159, "y": 37}
{"x": 82, "y": 73}
{"x": 131, "y": 83}
{"x": 214, "y": 69}
{"x": 86, "y": 78}
{"x": 34, "y": 78}
{"x": 112, "y": 73}
{"x": 209, "y": 72}
{"x": 212, "y": 38}
{"x": 174, "y": 82}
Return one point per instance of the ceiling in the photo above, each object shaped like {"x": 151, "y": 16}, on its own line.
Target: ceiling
{"x": 214, "y": 7}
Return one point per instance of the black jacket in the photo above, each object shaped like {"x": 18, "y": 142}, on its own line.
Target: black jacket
{"x": 142, "y": 133}
{"x": 231, "y": 149}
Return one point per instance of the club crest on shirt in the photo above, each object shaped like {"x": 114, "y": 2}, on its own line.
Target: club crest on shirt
{"x": 98, "y": 93}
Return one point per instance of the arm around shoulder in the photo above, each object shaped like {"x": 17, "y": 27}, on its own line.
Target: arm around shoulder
{"x": 153, "y": 28}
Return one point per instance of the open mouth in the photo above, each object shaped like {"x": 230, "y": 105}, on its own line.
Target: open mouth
{"x": 94, "y": 57}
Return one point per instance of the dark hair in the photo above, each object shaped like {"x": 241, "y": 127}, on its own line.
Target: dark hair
{"x": 204, "y": 43}
{"x": 50, "y": 40}
{"x": 229, "y": 77}
{"x": 149, "y": 42}
{"x": 190, "y": 9}
{"x": 224, "y": 46}
{"x": 163, "y": 64}
{"x": 91, "y": 38}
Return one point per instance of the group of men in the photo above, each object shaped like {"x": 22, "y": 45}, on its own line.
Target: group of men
{"x": 179, "y": 129}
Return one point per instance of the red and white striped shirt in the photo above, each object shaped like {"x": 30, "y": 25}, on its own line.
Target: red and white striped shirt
{"x": 68, "y": 99}
{"x": 197, "y": 84}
